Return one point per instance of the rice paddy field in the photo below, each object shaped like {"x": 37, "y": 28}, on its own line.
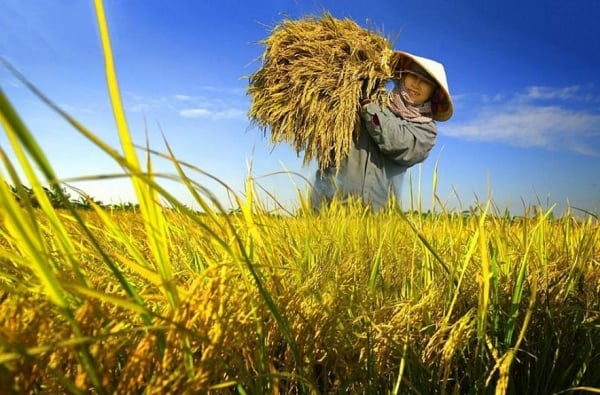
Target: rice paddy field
{"x": 160, "y": 298}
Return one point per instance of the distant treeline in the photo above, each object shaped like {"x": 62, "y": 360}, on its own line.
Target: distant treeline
{"x": 61, "y": 198}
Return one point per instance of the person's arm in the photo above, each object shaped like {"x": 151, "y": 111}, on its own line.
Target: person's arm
{"x": 402, "y": 141}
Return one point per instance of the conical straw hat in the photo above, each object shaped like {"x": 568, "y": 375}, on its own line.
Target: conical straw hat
{"x": 441, "y": 103}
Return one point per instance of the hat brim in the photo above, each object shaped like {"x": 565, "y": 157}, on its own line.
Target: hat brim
{"x": 442, "y": 106}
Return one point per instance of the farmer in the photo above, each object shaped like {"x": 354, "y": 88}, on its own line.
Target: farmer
{"x": 391, "y": 139}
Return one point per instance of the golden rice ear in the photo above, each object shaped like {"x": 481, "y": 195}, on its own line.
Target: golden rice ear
{"x": 306, "y": 92}
{"x": 398, "y": 62}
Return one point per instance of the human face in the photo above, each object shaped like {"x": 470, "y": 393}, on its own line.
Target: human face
{"x": 418, "y": 88}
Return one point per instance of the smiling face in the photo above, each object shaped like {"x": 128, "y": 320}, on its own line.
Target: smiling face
{"x": 419, "y": 88}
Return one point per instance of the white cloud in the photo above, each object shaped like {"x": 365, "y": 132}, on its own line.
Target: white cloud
{"x": 231, "y": 113}
{"x": 224, "y": 91}
{"x": 182, "y": 97}
{"x": 195, "y": 113}
{"x": 567, "y": 94}
{"x": 524, "y": 122}
{"x": 549, "y": 93}
{"x": 214, "y": 115}
{"x": 212, "y": 107}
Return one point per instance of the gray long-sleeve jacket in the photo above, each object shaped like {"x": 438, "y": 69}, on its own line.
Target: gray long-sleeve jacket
{"x": 385, "y": 148}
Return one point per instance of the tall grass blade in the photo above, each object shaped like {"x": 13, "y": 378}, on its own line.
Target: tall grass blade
{"x": 147, "y": 196}
{"x": 22, "y": 225}
{"x": 520, "y": 283}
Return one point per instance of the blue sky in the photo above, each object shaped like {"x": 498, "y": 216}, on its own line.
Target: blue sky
{"x": 524, "y": 77}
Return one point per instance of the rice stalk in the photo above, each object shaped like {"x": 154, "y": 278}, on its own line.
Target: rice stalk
{"x": 146, "y": 195}
{"x": 520, "y": 283}
{"x": 24, "y": 230}
{"x": 24, "y": 137}
{"x": 346, "y": 302}
{"x": 505, "y": 362}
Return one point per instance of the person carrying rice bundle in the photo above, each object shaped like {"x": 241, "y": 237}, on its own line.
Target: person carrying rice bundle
{"x": 322, "y": 89}
{"x": 392, "y": 137}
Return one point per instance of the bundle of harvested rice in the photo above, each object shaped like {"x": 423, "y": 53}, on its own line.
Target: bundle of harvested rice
{"x": 308, "y": 88}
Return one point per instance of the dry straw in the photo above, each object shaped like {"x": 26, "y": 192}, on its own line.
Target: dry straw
{"x": 313, "y": 73}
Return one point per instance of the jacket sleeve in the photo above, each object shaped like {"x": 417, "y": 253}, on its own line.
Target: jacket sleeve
{"x": 404, "y": 142}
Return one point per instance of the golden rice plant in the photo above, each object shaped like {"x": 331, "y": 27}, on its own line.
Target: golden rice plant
{"x": 307, "y": 89}
{"x": 166, "y": 299}
{"x": 367, "y": 308}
